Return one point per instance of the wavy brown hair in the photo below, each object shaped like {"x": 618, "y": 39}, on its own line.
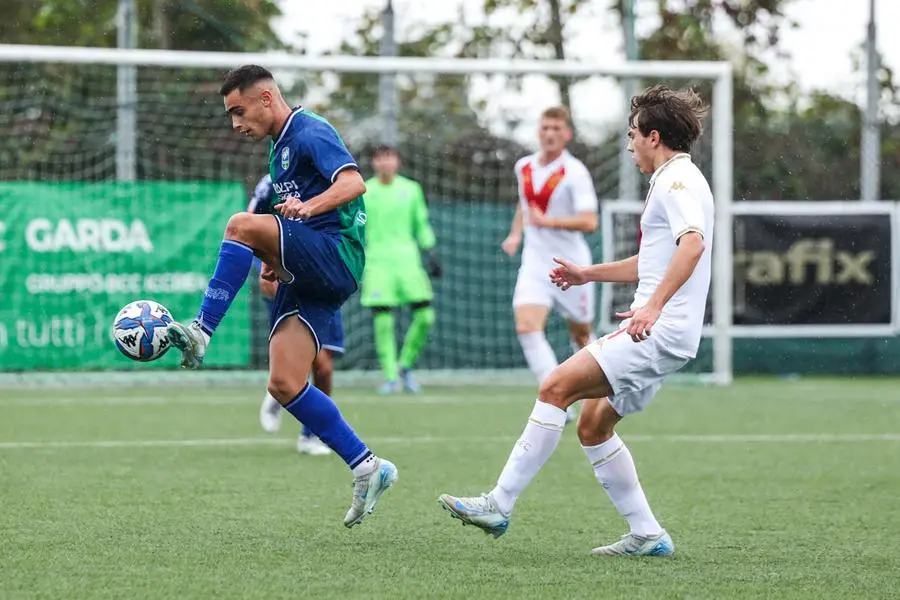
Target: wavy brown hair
{"x": 675, "y": 114}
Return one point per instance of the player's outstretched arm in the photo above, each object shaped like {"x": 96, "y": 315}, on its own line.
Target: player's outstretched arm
{"x": 568, "y": 273}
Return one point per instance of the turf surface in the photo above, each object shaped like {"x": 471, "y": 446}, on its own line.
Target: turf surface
{"x": 769, "y": 489}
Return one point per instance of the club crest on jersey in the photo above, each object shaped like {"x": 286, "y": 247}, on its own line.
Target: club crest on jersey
{"x": 285, "y": 158}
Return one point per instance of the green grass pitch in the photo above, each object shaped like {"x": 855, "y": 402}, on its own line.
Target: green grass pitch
{"x": 770, "y": 489}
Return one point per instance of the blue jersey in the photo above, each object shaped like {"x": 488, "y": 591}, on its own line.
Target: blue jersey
{"x": 303, "y": 162}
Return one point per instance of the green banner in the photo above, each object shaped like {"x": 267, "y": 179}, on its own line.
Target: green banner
{"x": 73, "y": 254}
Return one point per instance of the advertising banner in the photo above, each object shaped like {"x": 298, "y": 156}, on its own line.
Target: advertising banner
{"x": 73, "y": 254}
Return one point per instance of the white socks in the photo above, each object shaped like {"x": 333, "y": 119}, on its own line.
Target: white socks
{"x": 538, "y": 354}
{"x": 534, "y": 447}
{"x": 614, "y": 469}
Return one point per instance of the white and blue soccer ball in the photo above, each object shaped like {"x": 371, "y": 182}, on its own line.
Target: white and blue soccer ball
{"x": 141, "y": 330}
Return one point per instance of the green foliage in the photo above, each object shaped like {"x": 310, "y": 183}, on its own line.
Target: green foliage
{"x": 210, "y": 25}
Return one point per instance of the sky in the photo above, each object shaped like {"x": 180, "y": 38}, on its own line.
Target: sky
{"x": 819, "y": 49}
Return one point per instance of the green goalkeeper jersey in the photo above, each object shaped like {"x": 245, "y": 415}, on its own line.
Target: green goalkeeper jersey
{"x": 397, "y": 225}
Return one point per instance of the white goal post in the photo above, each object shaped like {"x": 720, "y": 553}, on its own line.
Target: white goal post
{"x": 718, "y": 73}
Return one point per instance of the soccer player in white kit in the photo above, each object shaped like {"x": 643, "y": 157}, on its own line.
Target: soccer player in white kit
{"x": 557, "y": 205}
{"x": 660, "y": 333}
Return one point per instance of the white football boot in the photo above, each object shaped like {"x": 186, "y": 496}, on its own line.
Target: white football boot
{"x": 480, "y": 511}
{"x": 634, "y": 545}
{"x": 191, "y": 340}
{"x": 367, "y": 489}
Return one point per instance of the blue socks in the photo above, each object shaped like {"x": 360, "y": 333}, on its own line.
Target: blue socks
{"x": 320, "y": 414}
{"x": 235, "y": 260}
{"x": 306, "y": 431}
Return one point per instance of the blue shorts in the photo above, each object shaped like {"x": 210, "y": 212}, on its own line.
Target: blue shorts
{"x": 331, "y": 337}
{"x": 320, "y": 282}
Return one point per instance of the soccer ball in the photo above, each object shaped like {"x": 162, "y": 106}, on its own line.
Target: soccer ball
{"x": 141, "y": 330}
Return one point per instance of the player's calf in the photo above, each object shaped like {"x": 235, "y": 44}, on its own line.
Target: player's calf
{"x": 323, "y": 371}
{"x": 597, "y": 422}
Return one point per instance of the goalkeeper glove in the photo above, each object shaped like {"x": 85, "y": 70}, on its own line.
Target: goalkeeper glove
{"x": 433, "y": 267}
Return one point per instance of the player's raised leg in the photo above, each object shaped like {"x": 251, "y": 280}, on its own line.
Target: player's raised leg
{"x": 614, "y": 468}
{"x": 245, "y": 235}
{"x": 579, "y": 377}
{"x": 292, "y": 350}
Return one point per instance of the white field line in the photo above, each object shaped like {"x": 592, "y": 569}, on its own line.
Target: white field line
{"x": 249, "y": 400}
{"x": 404, "y": 441}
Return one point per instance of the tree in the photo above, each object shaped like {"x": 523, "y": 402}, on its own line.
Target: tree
{"x": 540, "y": 32}
{"x": 211, "y": 25}
{"x": 61, "y": 119}
{"x": 433, "y": 105}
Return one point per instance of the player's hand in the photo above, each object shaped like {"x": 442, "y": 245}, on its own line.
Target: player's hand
{"x": 538, "y": 218}
{"x": 511, "y": 244}
{"x": 642, "y": 321}
{"x": 567, "y": 274}
{"x": 294, "y": 208}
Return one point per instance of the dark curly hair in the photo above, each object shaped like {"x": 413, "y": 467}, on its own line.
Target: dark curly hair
{"x": 676, "y": 115}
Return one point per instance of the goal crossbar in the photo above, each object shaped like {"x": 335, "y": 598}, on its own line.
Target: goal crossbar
{"x": 361, "y": 64}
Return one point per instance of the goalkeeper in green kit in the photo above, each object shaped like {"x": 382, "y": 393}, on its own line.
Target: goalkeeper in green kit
{"x": 397, "y": 232}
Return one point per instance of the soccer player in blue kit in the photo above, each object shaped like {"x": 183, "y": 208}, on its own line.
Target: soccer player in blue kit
{"x": 313, "y": 244}
{"x": 332, "y": 341}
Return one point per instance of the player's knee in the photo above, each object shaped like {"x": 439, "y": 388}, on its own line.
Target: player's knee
{"x": 284, "y": 387}
{"x": 555, "y": 391}
{"x": 239, "y": 227}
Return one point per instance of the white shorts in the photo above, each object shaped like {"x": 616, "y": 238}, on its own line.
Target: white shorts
{"x": 533, "y": 286}
{"x": 635, "y": 370}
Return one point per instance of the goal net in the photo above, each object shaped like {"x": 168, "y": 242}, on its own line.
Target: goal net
{"x": 118, "y": 171}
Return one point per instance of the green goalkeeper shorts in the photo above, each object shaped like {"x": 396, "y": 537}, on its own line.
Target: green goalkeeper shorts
{"x": 393, "y": 285}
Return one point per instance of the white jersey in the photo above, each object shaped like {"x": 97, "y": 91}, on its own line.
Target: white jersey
{"x": 679, "y": 201}
{"x": 562, "y": 188}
